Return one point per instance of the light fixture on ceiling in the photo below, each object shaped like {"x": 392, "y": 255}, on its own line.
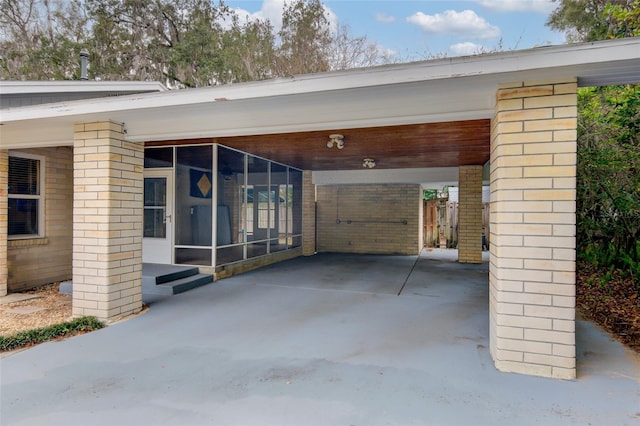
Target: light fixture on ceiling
{"x": 338, "y": 140}
{"x": 368, "y": 163}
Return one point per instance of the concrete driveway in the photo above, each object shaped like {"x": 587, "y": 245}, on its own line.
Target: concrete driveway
{"x": 324, "y": 340}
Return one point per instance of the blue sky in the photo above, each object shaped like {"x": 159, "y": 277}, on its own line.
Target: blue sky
{"x": 420, "y": 29}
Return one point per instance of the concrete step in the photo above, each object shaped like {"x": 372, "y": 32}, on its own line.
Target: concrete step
{"x": 166, "y": 273}
{"x": 176, "y": 286}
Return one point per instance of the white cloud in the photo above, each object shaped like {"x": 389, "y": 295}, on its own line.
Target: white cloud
{"x": 540, "y": 6}
{"x": 466, "y": 48}
{"x": 272, "y": 10}
{"x": 384, "y": 18}
{"x": 450, "y": 22}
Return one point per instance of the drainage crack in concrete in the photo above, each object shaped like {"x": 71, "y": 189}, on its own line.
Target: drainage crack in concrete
{"x": 406, "y": 280}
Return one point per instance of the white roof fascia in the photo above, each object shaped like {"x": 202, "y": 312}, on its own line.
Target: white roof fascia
{"x": 586, "y": 60}
{"x": 440, "y": 90}
{"x": 75, "y": 86}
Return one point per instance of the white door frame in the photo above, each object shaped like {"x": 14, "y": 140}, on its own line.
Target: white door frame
{"x": 160, "y": 250}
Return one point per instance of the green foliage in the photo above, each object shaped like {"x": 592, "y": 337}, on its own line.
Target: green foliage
{"x": 581, "y": 20}
{"x": 623, "y": 18}
{"x": 181, "y": 43}
{"x": 608, "y": 168}
{"x": 429, "y": 194}
{"x": 608, "y": 178}
{"x": 305, "y": 38}
{"x": 39, "y": 335}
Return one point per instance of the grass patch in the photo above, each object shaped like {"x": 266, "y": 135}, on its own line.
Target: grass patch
{"x": 45, "y": 334}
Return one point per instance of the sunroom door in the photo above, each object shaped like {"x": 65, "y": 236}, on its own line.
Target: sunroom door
{"x": 265, "y": 222}
{"x": 158, "y": 217}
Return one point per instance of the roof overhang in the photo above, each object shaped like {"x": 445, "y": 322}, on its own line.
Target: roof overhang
{"x": 452, "y": 89}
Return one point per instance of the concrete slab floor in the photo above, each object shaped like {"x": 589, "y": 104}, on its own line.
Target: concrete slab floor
{"x": 302, "y": 343}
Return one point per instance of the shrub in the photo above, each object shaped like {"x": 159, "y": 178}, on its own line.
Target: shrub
{"x": 40, "y": 335}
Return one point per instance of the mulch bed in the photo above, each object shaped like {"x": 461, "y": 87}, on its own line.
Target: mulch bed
{"x": 613, "y": 303}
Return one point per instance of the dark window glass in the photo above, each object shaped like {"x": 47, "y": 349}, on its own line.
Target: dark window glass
{"x": 158, "y": 157}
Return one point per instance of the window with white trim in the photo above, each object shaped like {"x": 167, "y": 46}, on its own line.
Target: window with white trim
{"x": 26, "y": 195}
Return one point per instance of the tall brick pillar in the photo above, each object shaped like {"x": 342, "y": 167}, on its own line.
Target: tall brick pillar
{"x": 308, "y": 214}
{"x": 4, "y": 217}
{"x": 107, "y": 222}
{"x": 470, "y": 214}
{"x": 533, "y": 193}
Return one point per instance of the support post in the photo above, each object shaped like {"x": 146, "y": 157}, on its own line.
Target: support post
{"x": 533, "y": 229}
{"x": 107, "y": 222}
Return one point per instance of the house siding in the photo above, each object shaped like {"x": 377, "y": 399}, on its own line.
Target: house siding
{"x": 376, "y": 219}
{"x": 37, "y": 261}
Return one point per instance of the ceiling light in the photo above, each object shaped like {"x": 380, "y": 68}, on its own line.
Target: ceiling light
{"x": 338, "y": 140}
{"x": 368, "y": 163}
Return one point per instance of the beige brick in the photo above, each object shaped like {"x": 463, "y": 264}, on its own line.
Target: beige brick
{"x": 563, "y": 373}
{"x": 524, "y": 298}
{"x": 568, "y": 351}
{"x": 505, "y": 355}
{"x": 522, "y": 321}
{"x": 509, "y": 104}
{"x": 530, "y": 183}
{"x": 555, "y": 361}
{"x": 564, "y": 254}
{"x": 511, "y": 332}
{"x": 524, "y": 368}
{"x": 550, "y": 101}
{"x": 565, "y": 135}
{"x": 502, "y": 262}
{"x": 528, "y": 137}
{"x": 550, "y": 148}
{"x": 523, "y": 275}
{"x": 550, "y": 288}
{"x": 549, "y": 265}
{"x": 564, "y": 325}
{"x": 509, "y": 308}
{"x": 525, "y": 252}
{"x": 551, "y": 218}
{"x": 564, "y": 277}
{"x": 550, "y": 312}
{"x": 565, "y": 88}
{"x": 564, "y": 112}
{"x": 525, "y": 114}
{"x": 525, "y": 92}
{"x": 526, "y": 346}
{"x": 550, "y": 336}
{"x": 552, "y": 124}
{"x": 505, "y": 285}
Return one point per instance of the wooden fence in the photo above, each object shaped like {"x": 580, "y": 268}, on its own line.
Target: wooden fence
{"x": 441, "y": 224}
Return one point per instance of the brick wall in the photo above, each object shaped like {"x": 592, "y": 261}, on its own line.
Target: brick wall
{"x": 4, "y": 209}
{"x": 38, "y": 261}
{"x": 377, "y": 214}
{"x": 470, "y": 214}
{"x": 107, "y": 225}
{"x": 532, "y": 269}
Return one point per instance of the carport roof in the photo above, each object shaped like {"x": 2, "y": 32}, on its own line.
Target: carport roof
{"x": 444, "y": 90}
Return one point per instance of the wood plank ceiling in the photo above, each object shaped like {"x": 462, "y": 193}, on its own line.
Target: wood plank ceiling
{"x": 449, "y": 144}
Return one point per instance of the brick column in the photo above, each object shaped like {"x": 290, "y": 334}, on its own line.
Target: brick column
{"x": 107, "y": 222}
{"x": 4, "y": 218}
{"x": 470, "y": 214}
{"x": 308, "y": 214}
{"x": 533, "y": 192}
